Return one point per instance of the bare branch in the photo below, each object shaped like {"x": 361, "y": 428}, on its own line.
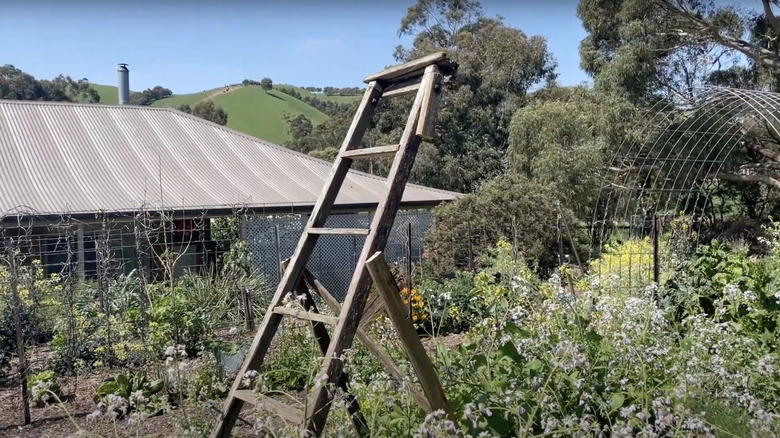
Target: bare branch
{"x": 758, "y": 54}
{"x": 757, "y": 178}
{"x": 770, "y": 16}
{"x": 764, "y": 152}
{"x": 622, "y": 170}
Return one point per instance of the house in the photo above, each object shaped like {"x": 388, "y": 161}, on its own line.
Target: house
{"x": 69, "y": 169}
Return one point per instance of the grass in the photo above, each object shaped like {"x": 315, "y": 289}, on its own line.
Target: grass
{"x": 108, "y": 93}
{"x": 261, "y": 114}
{"x": 251, "y": 110}
{"x": 339, "y": 99}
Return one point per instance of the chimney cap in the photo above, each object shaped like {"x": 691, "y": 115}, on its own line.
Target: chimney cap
{"x": 123, "y": 65}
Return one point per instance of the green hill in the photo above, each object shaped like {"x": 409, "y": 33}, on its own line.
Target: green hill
{"x": 108, "y": 94}
{"x": 250, "y": 109}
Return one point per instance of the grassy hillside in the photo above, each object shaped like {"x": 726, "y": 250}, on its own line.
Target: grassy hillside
{"x": 259, "y": 113}
{"x": 250, "y": 109}
{"x": 108, "y": 94}
{"x": 340, "y": 99}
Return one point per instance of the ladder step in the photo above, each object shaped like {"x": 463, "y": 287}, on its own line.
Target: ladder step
{"x": 349, "y": 231}
{"x": 283, "y": 410}
{"x": 378, "y": 151}
{"x": 402, "y": 88}
{"x": 310, "y": 316}
{"x": 402, "y": 70}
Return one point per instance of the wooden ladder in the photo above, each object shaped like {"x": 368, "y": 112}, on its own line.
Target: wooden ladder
{"x": 426, "y": 77}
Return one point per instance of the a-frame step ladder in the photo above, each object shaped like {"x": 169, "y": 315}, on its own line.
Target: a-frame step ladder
{"x": 425, "y": 76}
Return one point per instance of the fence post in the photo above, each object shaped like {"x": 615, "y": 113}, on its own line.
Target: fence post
{"x": 656, "y": 252}
{"x": 409, "y": 265}
{"x": 471, "y": 249}
{"x": 247, "y": 298}
{"x": 17, "y": 304}
{"x": 278, "y": 245}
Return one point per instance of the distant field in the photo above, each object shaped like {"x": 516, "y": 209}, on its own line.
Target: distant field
{"x": 108, "y": 94}
{"x": 259, "y": 113}
{"x": 340, "y": 99}
{"x": 250, "y": 109}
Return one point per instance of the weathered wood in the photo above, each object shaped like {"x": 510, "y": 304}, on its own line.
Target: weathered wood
{"x": 426, "y": 128}
{"x": 309, "y": 316}
{"x": 270, "y": 324}
{"x": 378, "y": 151}
{"x": 368, "y": 342}
{"x": 17, "y": 316}
{"x": 352, "y": 310}
{"x": 402, "y": 88}
{"x": 398, "y": 71}
{"x": 348, "y": 231}
{"x": 350, "y": 314}
{"x": 385, "y": 282}
{"x": 323, "y": 340}
{"x": 289, "y": 413}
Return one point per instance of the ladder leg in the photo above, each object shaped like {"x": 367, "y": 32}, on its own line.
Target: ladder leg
{"x": 352, "y": 310}
{"x": 323, "y": 340}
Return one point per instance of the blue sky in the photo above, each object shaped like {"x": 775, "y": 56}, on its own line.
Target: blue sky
{"x": 190, "y": 46}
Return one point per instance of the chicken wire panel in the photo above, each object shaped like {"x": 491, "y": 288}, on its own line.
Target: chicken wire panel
{"x": 334, "y": 258}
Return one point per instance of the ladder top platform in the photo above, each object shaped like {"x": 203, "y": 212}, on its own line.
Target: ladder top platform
{"x": 396, "y": 72}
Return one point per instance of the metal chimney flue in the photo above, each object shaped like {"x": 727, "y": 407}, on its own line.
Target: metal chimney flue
{"x": 124, "y": 84}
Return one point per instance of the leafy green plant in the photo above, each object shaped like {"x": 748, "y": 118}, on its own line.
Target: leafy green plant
{"x": 43, "y": 388}
{"x": 127, "y": 392}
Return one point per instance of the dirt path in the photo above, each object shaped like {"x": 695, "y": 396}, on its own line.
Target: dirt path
{"x": 228, "y": 89}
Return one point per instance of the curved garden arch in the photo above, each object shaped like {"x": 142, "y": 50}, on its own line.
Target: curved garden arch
{"x": 676, "y": 160}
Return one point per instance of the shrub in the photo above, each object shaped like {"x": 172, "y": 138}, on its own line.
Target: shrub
{"x": 510, "y": 207}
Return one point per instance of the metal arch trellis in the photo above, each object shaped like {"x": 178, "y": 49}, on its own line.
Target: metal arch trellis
{"x": 669, "y": 167}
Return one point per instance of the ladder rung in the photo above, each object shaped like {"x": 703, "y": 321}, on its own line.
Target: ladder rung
{"x": 349, "y": 231}
{"x": 283, "y": 410}
{"x": 378, "y": 151}
{"x": 402, "y": 89}
{"x": 301, "y": 314}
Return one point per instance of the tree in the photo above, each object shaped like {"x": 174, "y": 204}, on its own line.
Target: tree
{"x": 564, "y": 136}
{"x": 18, "y": 85}
{"x": 667, "y": 49}
{"x": 637, "y": 48}
{"x": 300, "y": 128}
{"x": 206, "y": 109}
{"x": 266, "y": 84}
{"x": 497, "y": 64}
{"x": 150, "y": 95}
{"x": 510, "y": 206}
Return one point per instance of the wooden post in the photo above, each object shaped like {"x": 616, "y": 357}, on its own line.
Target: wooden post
{"x": 560, "y": 242}
{"x": 409, "y": 266}
{"x": 80, "y": 250}
{"x": 17, "y": 304}
{"x": 248, "y": 314}
{"x": 385, "y": 282}
{"x": 471, "y": 249}
{"x": 278, "y": 250}
{"x": 656, "y": 252}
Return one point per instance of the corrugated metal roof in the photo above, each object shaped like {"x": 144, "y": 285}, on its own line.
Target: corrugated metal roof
{"x": 82, "y": 158}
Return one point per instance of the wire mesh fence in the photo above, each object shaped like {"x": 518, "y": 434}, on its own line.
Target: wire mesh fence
{"x": 273, "y": 239}
{"x": 81, "y": 295}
